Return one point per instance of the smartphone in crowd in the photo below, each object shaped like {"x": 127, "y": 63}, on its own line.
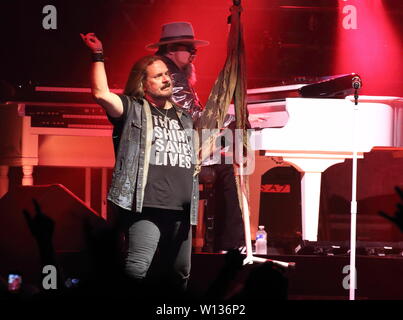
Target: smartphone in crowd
{"x": 14, "y": 282}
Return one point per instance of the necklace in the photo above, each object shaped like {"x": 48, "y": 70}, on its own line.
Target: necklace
{"x": 165, "y": 115}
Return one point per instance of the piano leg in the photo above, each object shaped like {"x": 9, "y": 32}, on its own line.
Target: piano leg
{"x": 87, "y": 197}
{"x": 104, "y": 193}
{"x": 104, "y": 186}
{"x": 3, "y": 180}
{"x": 311, "y": 168}
{"x": 310, "y": 197}
{"x": 27, "y": 178}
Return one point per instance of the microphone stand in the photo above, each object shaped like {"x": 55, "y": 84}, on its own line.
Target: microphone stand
{"x": 353, "y": 225}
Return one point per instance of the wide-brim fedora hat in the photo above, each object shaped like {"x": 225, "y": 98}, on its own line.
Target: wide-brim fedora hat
{"x": 177, "y": 32}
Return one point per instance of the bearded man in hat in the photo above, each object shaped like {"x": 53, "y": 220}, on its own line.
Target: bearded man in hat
{"x": 178, "y": 47}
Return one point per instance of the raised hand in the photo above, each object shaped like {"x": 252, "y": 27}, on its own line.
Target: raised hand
{"x": 398, "y": 218}
{"x": 40, "y": 225}
{"x": 92, "y": 42}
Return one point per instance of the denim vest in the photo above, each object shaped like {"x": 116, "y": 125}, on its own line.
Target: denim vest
{"x": 129, "y": 176}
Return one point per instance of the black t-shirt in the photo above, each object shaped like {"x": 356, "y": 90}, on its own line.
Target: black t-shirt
{"x": 169, "y": 181}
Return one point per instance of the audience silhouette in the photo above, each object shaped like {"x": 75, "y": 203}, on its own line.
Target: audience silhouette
{"x": 265, "y": 282}
{"x": 106, "y": 276}
{"x": 397, "y": 219}
{"x": 226, "y": 281}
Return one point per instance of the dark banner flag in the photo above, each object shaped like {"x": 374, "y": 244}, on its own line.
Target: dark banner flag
{"x": 230, "y": 86}
{"x": 231, "y": 82}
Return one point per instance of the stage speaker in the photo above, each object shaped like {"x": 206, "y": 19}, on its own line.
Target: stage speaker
{"x": 363, "y": 248}
{"x": 72, "y": 217}
{"x": 280, "y": 206}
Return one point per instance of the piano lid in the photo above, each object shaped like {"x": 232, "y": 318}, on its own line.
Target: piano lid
{"x": 337, "y": 86}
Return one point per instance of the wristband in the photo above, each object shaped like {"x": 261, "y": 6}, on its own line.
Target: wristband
{"x": 98, "y": 57}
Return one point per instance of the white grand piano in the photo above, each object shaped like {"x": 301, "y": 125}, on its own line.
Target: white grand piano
{"x": 312, "y": 134}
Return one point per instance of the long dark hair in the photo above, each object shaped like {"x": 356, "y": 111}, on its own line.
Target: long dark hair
{"x": 138, "y": 73}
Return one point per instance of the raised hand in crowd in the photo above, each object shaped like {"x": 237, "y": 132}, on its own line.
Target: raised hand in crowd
{"x": 397, "y": 219}
{"x": 40, "y": 225}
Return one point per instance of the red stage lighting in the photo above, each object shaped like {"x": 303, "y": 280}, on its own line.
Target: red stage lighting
{"x": 369, "y": 46}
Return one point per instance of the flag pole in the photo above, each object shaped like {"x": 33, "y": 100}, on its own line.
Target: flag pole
{"x": 239, "y": 99}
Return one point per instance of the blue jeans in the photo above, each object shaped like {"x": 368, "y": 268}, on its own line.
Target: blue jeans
{"x": 169, "y": 231}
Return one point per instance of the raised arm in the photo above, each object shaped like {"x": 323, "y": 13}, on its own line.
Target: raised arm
{"x": 99, "y": 82}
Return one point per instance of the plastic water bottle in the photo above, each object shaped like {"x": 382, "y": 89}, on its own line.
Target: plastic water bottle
{"x": 261, "y": 241}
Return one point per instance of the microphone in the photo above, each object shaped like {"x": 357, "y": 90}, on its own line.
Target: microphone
{"x": 356, "y": 82}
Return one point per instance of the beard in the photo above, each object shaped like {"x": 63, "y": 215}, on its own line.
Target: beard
{"x": 161, "y": 95}
{"x": 190, "y": 71}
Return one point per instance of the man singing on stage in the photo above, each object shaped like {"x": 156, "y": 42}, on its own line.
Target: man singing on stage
{"x": 154, "y": 182}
